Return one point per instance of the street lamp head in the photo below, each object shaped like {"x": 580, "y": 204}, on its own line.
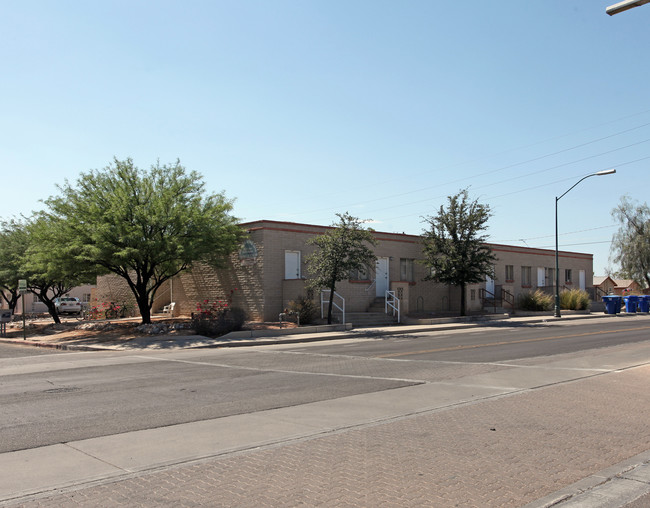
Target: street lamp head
{"x": 624, "y": 6}
{"x": 606, "y": 172}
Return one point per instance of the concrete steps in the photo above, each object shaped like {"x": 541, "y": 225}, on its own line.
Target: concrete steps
{"x": 378, "y": 306}
{"x": 364, "y": 319}
{"x": 375, "y": 316}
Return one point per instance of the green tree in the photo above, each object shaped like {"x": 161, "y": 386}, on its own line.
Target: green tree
{"x": 631, "y": 243}
{"x": 49, "y": 263}
{"x": 32, "y": 249}
{"x": 145, "y": 226}
{"x": 13, "y": 245}
{"x": 339, "y": 251}
{"x": 454, "y": 248}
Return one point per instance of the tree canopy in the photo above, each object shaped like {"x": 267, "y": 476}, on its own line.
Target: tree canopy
{"x": 340, "y": 250}
{"x": 33, "y": 249}
{"x": 50, "y": 266}
{"x": 631, "y": 243}
{"x": 13, "y": 245}
{"x": 454, "y": 246}
{"x": 144, "y": 225}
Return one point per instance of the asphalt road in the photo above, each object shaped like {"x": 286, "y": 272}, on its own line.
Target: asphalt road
{"x": 500, "y": 341}
{"x": 54, "y": 398}
{"x": 17, "y": 351}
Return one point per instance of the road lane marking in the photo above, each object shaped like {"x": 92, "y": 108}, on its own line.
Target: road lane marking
{"x": 505, "y": 343}
{"x": 285, "y": 371}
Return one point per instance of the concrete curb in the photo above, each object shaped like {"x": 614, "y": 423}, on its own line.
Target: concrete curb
{"x": 317, "y": 333}
{"x": 612, "y": 487}
{"x": 286, "y": 331}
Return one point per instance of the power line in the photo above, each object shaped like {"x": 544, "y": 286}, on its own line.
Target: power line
{"x": 485, "y": 173}
{"x": 572, "y": 244}
{"x": 561, "y": 234}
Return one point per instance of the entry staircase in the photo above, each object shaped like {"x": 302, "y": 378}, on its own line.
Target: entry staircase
{"x": 499, "y": 302}
{"x": 374, "y": 316}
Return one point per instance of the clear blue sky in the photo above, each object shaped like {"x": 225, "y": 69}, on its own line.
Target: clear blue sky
{"x": 302, "y": 109}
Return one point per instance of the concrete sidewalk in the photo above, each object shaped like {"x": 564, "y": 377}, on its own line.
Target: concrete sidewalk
{"x": 303, "y": 334}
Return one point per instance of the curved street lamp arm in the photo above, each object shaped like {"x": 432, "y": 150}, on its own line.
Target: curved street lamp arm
{"x": 583, "y": 178}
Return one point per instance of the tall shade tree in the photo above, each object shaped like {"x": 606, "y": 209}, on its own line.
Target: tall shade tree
{"x": 339, "y": 251}
{"x": 145, "y": 226}
{"x": 32, "y": 249}
{"x": 454, "y": 246}
{"x": 13, "y": 245}
{"x": 49, "y": 264}
{"x": 631, "y": 243}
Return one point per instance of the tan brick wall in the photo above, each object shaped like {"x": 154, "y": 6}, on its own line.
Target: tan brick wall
{"x": 281, "y": 237}
{"x": 200, "y": 283}
{"x": 263, "y": 291}
{"x": 112, "y": 288}
{"x": 205, "y": 283}
{"x": 539, "y": 258}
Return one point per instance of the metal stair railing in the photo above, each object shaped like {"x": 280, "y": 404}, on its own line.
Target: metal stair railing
{"x": 393, "y": 303}
{"x": 509, "y": 298}
{"x": 482, "y": 292}
{"x": 323, "y": 301}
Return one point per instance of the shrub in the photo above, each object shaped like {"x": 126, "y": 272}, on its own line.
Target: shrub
{"x": 218, "y": 317}
{"x": 535, "y": 301}
{"x": 574, "y": 299}
{"x": 305, "y": 308}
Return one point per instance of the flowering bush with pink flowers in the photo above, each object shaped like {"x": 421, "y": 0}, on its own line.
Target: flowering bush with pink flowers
{"x": 217, "y": 317}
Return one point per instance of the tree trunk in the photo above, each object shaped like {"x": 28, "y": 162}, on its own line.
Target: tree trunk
{"x": 462, "y": 299}
{"x": 11, "y": 300}
{"x": 52, "y": 310}
{"x": 329, "y": 308}
{"x": 142, "y": 300}
{"x": 143, "y": 307}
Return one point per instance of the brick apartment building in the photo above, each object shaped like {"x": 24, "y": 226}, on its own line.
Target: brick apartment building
{"x": 270, "y": 270}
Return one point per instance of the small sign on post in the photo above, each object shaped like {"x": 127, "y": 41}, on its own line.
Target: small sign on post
{"x": 22, "y": 286}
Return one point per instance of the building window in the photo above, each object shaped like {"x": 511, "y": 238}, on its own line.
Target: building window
{"x": 567, "y": 276}
{"x": 472, "y": 294}
{"x": 361, "y": 274}
{"x": 510, "y": 273}
{"x": 526, "y": 276}
{"x": 85, "y": 298}
{"x": 406, "y": 269}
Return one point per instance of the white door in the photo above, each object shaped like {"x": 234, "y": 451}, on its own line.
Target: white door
{"x": 541, "y": 276}
{"x": 581, "y": 274}
{"x": 381, "y": 272}
{"x": 291, "y": 264}
{"x": 489, "y": 285}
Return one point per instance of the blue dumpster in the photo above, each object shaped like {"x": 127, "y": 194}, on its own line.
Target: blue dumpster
{"x": 644, "y": 303}
{"x": 612, "y": 304}
{"x": 631, "y": 303}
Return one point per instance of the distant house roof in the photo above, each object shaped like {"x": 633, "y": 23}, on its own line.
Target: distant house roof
{"x": 624, "y": 283}
{"x": 600, "y": 280}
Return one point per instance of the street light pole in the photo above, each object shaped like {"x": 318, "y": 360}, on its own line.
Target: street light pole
{"x": 557, "y": 313}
